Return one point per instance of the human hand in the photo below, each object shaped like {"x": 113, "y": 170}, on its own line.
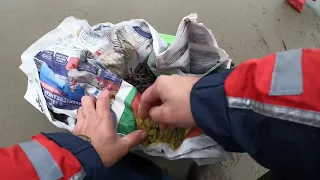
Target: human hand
{"x": 95, "y": 121}
{"x": 167, "y": 101}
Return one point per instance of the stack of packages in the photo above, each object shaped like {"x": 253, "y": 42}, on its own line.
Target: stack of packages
{"x": 76, "y": 59}
{"x": 297, "y": 4}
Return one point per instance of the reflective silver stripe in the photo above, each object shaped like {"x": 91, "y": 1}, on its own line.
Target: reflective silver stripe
{"x": 309, "y": 118}
{"x": 42, "y": 161}
{"x": 287, "y": 74}
{"x": 79, "y": 176}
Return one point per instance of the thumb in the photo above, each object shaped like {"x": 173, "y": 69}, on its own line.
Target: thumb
{"x": 133, "y": 139}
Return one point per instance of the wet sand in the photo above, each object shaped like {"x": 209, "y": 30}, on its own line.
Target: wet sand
{"x": 244, "y": 28}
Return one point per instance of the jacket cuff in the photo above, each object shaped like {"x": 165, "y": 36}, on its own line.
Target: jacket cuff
{"x": 209, "y": 109}
{"x": 83, "y": 151}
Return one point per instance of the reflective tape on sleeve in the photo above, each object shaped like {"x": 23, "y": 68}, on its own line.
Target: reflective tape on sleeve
{"x": 305, "y": 117}
{"x": 287, "y": 74}
{"x": 42, "y": 161}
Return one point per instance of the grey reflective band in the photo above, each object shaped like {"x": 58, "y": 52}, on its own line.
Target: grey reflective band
{"x": 309, "y": 118}
{"x": 42, "y": 161}
{"x": 287, "y": 74}
{"x": 79, "y": 176}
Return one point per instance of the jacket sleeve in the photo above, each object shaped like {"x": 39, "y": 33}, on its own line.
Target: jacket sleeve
{"x": 51, "y": 156}
{"x": 268, "y": 108}
{"x": 40, "y": 158}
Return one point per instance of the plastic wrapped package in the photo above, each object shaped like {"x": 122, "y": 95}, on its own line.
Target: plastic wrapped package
{"x": 76, "y": 59}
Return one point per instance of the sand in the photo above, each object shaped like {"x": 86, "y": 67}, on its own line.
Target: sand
{"x": 244, "y": 28}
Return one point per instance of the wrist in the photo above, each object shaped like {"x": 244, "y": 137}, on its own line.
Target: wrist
{"x": 84, "y": 137}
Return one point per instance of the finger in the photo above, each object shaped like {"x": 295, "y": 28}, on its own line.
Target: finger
{"x": 88, "y": 104}
{"x": 129, "y": 141}
{"x": 163, "y": 126}
{"x": 149, "y": 98}
{"x": 103, "y": 102}
{"x": 160, "y": 114}
{"x": 80, "y": 114}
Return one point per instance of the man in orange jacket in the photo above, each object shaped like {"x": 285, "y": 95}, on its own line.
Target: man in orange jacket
{"x": 268, "y": 108}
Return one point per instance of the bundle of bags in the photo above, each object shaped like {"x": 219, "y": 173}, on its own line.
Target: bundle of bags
{"x": 77, "y": 59}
